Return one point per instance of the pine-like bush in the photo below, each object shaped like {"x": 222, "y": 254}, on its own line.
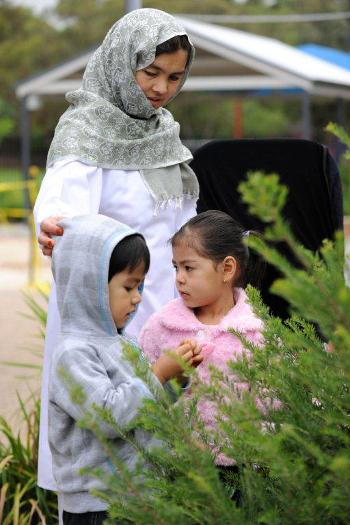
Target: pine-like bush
{"x": 292, "y": 456}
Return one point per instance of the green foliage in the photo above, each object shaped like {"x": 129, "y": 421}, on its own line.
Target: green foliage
{"x": 344, "y": 164}
{"x": 259, "y": 118}
{"x": 13, "y": 197}
{"x": 265, "y": 118}
{"x": 195, "y": 113}
{"x": 341, "y": 134}
{"x": 288, "y": 433}
{"x": 7, "y": 122}
{"x": 344, "y": 170}
{"x": 27, "y": 45}
{"x": 38, "y": 311}
{"x": 321, "y": 280}
{"x": 34, "y": 44}
{"x": 21, "y": 500}
{"x": 333, "y": 34}
{"x": 272, "y": 197}
{"x": 37, "y": 304}
{"x": 181, "y": 485}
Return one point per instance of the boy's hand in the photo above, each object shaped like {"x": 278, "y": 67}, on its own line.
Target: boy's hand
{"x": 48, "y": 227}
{"x": 166, "y": 367}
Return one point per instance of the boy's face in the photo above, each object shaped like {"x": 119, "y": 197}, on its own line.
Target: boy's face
{"x": 124, "y": 293}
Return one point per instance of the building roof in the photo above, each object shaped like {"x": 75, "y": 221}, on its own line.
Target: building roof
{"x": 329, "y": 54}
{"x": 226, "y": 60}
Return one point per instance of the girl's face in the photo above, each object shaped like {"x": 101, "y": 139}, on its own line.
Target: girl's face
{"x": 199, "y": 281}
{"x": 161, "y": 80}
{"x": 124, "y": 294}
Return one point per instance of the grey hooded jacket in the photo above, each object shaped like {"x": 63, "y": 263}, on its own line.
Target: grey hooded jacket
{"x": 89, "y": 352}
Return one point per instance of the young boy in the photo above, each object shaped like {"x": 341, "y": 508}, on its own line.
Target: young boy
{"x": 99, "y": 265}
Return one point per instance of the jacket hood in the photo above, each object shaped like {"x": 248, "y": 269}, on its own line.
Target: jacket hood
{"x": 177, "y": 315}
{"x": 80, "y": 264}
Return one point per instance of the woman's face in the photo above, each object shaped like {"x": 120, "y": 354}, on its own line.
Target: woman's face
{"x": 160, "y": 80}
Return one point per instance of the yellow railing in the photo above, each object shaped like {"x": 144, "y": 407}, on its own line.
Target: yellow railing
{"x": 34, "y": 271}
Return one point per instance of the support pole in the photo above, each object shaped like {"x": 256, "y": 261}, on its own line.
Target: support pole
{"x": 25, "y": 158}
{"x": 306, "y": 115}
{"x": 131, "y": 5}
{"x": 25, "y": 148}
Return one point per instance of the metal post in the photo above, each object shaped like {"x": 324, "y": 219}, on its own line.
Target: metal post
{"x": 25, "y": 148}
{"x": 306, "y": 114}
{"x": 25, "y": 157}
{"x": 131, "y": 5}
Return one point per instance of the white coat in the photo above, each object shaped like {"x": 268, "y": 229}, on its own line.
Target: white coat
{"x": 73, "y": 188}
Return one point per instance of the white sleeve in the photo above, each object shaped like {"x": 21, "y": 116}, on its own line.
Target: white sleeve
{"x": 69, "y": 188}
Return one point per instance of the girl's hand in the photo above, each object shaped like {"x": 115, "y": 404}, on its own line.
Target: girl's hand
{"x": 196, "y": 358}
{"x": 49, "y": 227}
{"x": 166, "y": 367}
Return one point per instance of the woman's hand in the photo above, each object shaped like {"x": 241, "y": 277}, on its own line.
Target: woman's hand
{"x": 49, "y": 227}
{"x": 166, "y": 367}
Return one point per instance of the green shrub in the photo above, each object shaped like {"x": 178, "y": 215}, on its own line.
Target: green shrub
{"x": 22, "y": 502}
{"x": 11, "y": 199}
{"x": 14, "y": 199}
{"x": 344, "y": 164}
{"x": 293, "y": 462}
{"x": 344, "y": 169}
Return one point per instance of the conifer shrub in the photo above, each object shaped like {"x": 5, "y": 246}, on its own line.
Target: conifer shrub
{"x": 344, "y": 163}
{"x": 292, "y": 447}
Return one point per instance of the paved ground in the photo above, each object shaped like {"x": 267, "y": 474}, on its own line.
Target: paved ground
{"x": 19, "y": 339}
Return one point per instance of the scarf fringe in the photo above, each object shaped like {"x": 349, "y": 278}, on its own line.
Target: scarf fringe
{"x": 175, "y": 202}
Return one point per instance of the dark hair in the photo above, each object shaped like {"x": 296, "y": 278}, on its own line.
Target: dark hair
{"x": 128, "y": 254}
{"x": 215, "y": 235}
{"x": 173, "y": 44}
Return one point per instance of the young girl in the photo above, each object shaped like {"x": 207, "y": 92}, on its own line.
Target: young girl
{"x": 212, "y": 266}
{"x": 117, "y": 152}
{"x": 99, "y": 266}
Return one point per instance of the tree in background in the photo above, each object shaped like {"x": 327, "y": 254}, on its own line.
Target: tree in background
{"x": 328, "y": 33}
{"x": 7, "y": 121}
{"x": 31, "y": 43}
{"x": 260, "y": 118}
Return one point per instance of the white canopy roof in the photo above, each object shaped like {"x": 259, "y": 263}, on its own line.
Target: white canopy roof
{"x": 226, "y": 60}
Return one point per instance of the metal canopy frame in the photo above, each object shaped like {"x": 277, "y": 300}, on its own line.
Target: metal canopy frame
{"x": 269, "y": 63}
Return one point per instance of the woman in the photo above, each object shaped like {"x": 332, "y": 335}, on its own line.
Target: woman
{"x": 117, "y": 152}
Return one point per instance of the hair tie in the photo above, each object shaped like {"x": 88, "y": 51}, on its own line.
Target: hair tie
{"x": 246, "y": 233}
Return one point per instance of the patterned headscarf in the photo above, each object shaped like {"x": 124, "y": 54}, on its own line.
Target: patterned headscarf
{"x": 110, "y": 123}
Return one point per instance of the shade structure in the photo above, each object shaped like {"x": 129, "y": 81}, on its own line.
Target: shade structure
{"x": 226, "y": 60}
